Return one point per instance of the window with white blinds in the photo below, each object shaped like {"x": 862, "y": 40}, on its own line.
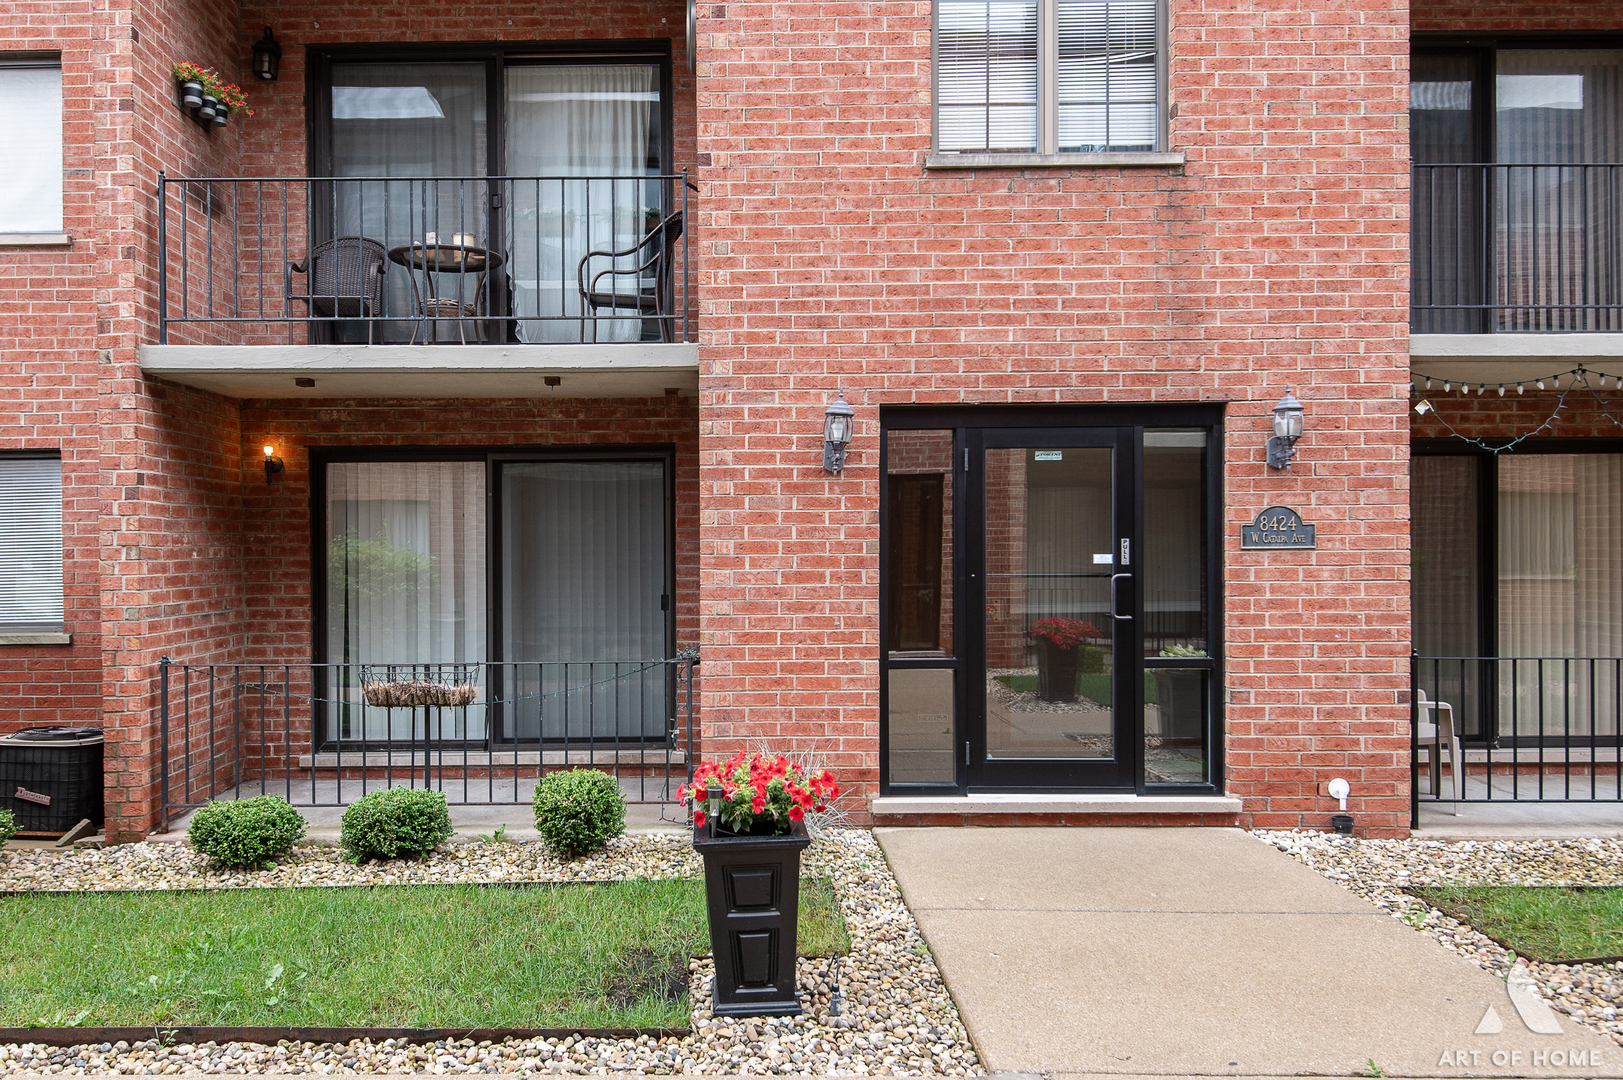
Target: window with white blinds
{"x": 1047, "y": 76}
{"x": 30, "y": 544}
{"x": 31, "y": 132}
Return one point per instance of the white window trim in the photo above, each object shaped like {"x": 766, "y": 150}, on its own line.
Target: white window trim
{"x": 1047, "y": 154}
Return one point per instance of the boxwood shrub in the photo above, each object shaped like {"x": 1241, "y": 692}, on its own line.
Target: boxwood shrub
{"x": 395, "y": 823}
{"x": 8, "y": 825}
{"x": 241, "y": 833}
{"x": 578, "y": 811}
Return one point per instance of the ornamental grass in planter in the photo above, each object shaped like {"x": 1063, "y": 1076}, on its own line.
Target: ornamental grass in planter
{"x": 749, "y": 825}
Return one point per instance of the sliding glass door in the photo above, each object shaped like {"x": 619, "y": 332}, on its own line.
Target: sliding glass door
{"x": 551, "y": 594}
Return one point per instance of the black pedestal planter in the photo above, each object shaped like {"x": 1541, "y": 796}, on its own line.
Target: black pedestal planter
{"x": 752, "y": 888}
{"x": 1056, "y": 672}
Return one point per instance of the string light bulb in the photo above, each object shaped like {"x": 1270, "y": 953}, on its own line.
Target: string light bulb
{"x": 1428, "y": 382}
{"x": 1520, "y": 389}
{"x": 1541, "y": 384}
{"x": 1445, "y": 386}
{"x": 1501, "y": 389}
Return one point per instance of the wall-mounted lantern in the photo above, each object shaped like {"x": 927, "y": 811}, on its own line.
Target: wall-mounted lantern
{"x": 839, "y": 420}
{"x": 1287, "y": 429}
{"x": 273, "y": 464}
{"x": 267, "y": 56}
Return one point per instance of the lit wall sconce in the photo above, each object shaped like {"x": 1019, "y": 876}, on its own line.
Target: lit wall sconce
{"x": 838, "y": 423}
{"x": 273, "y": 464}
{"x": 1287, "y": 429}
{"x": 267, "y": 56}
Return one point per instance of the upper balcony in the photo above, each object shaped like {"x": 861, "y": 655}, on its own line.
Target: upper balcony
{"x": 588, "y": 274}
{"x": 1516, "y": 220}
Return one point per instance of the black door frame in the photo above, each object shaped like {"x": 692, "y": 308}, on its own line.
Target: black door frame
{"x": 967, "y": 423}
{"x": 1118, "y": 772}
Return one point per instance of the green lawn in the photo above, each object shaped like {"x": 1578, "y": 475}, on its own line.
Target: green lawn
{"x": 1545, "y": 924}
{"x": 588, "y": 955}
{"x": 1094, "y": 685}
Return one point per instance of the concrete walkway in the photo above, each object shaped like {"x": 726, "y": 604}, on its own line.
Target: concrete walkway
{"x": 1203, "y": 952}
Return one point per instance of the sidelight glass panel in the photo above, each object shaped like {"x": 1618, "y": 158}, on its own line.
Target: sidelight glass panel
{"x": 405, "y": 584}
{"x": 1173, "y": 569}
{"x": 1176, "y": 706}
{"x": 1560, "y": 594}
{"x": 919, "y": 723}
{"x": 1050, "y": 542}
{"x": 918, "y": 528}
{"x": 583, "y": 580}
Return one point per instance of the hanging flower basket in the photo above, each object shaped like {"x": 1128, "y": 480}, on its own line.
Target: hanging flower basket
{"x": 208, "y": 97}
{"x": 413, "y": 693}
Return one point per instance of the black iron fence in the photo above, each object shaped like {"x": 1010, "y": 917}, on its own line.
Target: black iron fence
{"x": 482, "y": 733}
{"x": 1515, "y": 729}
{"x": 1521, "y": 248}
{"x": 370, "y": 260}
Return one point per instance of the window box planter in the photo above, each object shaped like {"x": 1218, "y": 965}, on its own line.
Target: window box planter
{"x": 191, "y": 95}
{"x": 209, "y": 109}
{"x": 752, "y": 892}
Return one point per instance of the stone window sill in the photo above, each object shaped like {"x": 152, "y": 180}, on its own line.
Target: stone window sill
{"x": 36, "y": 638}
{"x": 27, "y": 239}
{"x": 1145, "y": 159}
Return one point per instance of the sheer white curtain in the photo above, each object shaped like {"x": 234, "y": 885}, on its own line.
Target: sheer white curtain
{"x": 569, "y": 122}
{"x": 31, "y": 130}
{"x": 1561, "y": 591}
{"x": 405, "y": 580}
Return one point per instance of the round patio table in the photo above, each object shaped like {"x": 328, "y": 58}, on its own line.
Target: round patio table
{"x": 446, "y": 258}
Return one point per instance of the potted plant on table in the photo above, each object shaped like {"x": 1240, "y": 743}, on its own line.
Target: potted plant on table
{"x": 1058, "y": 640}
{"x": 749, "y": 825}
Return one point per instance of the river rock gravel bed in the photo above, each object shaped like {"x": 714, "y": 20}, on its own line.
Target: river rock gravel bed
{"x": 895, "y": 1016}
{"x": 1379, "y": 871}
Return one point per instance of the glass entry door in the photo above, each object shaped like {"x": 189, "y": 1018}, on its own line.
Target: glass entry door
{"x": 1047, "y": 608}
{"x": 1055, "y": 633}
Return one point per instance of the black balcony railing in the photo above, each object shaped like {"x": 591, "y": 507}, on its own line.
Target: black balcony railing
{"x": 482, "y": 733}
{"x": 368, "y": 260}
{"x": 1516, "y": 249}
{"x": 1529, "y": 729}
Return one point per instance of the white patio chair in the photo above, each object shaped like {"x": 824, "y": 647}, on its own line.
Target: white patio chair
{"x": 1436, "y": 733}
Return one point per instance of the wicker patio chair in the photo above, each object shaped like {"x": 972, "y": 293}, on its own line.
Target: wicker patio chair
{"x": 654, "y": 252}
{"x": 344, "y": 278}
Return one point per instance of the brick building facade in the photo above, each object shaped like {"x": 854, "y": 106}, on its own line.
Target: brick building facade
{"x": 1140, "y": 309}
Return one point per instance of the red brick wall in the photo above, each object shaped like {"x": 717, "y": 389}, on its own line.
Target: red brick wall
{"x": 1520, "y": 16}
{"x": 48, "y": 373}
{"x": 1277, "y": 256}
{"x": 1582, "y": 414}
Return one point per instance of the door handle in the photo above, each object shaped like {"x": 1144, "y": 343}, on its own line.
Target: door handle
{"x": 1113, "y": 579}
